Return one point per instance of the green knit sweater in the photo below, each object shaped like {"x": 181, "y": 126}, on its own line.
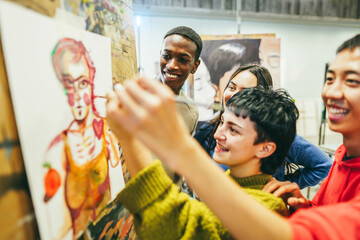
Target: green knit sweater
{"x": 253, "y": 185}
{"x": 162, "y": 212}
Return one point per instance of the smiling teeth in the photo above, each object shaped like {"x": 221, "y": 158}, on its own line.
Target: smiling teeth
{"x": 337, "y": 111}
{"x": 221, "y": 148}
{"x": 171, "y": 75}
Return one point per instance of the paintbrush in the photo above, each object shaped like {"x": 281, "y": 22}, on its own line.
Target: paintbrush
{"x": 215, "y": 106}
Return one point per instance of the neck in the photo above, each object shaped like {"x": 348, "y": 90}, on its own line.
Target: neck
{"x": 176, "y": 90}
{"x": 82, "y": 124}
{"x": 245, "y": 170}
{"x": 352, "y": 144}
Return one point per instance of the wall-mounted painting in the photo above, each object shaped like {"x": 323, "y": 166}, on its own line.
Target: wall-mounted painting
{"x": 220, "y": 57}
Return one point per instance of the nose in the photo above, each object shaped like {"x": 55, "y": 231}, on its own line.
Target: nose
{"x": 334, "y": 90}
{"x": 172, "y": 64}
{"x": 220, "y": 133}
{"x": 77, "y": 94}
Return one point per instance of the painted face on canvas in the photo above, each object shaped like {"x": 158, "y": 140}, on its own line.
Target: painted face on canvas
{"x": 341, "y": 93}
{"x": 204, "y": 92}
{"x": 244, "y": 79}
{"x": 269, "y": 54}
{"x": 235, "y": 139}
{"x": 75, "y": 78}
{"x": 177, "y": 61}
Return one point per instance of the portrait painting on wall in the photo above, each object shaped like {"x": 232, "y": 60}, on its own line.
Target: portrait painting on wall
{"x": 220, "y": 57}
{"x": 269, "y": 54}
{"x": 58, "y": 79}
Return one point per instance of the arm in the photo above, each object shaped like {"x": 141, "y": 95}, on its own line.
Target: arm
{"x": 329, "y": 222}
{"x": 137, "y": 156}
{"x": 112, "y": 147}
{"x": 316, "y": 167}
{"x": 316, "y": 164}
{"x": 53, "y": 167}
{"x": 161, "y": 212}
{"x": 238, "y": 211}
{"x": 148, "y": 110}
{"x": 54, "y": 170}
{"x": 204, "y": 136}
{"x": 289, "y": 191}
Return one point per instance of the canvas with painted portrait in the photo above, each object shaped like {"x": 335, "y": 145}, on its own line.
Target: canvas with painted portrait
{"x": 58, "y": 79}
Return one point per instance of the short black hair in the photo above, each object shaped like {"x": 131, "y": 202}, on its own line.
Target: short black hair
{"x": 274, "y": 115}
{"x": 189, "y": 34}
{"x": 350, "y": 44}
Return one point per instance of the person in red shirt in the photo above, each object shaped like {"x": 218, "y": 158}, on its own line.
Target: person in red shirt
{"x": 335, "y": 209}
{"x": 147, "y": 110}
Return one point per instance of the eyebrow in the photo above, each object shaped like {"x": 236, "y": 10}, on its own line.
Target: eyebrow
{"x": 185, "y": 55}
{"x": 231, "y": 123}
{"x": 81, "y": 77}
{"x": 346, "y": 72}
{"x": 234, "y": 124}
{"x": 231, "y": 82}
{"x": 76, "y": 79}
{"x": 352, "y": 72}
{"x": 181, "y": 54}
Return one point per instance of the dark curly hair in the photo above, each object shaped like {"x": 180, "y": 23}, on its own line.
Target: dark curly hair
{"x": 274, "y": 115}
{"x": 189, "y": 34}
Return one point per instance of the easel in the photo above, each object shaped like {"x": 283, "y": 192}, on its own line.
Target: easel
{"x": 323, "y": 117}
{"x": 17, "y": 218}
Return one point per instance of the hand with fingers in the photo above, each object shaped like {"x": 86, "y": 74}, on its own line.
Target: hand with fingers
{"x": 113, "y": 109}
{"x": 289, "y": 191}
{"x": 147, "y": 109}
{"x": 137, "y": 156}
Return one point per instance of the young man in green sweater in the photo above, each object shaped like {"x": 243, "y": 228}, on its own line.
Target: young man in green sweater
{"x": 257, "y": 129}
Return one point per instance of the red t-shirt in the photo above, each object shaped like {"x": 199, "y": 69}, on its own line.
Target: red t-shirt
{"x": 336, "y": 206}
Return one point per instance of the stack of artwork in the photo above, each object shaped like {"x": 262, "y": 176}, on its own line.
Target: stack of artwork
{"x": 58, "y": 78}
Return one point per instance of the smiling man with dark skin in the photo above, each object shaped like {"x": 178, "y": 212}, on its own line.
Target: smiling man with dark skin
{"x": 179, "y": 56}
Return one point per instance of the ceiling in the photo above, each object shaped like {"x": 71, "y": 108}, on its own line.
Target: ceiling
{"x": 334, "y": 12}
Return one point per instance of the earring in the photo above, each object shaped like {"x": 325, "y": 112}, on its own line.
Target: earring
{"x": 65, "y": 91}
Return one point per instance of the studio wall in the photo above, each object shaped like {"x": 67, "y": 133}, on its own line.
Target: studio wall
{"x": 305, "y": 48}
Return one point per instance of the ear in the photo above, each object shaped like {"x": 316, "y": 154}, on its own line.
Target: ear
{"x": 266, "y": 149}
{"x": 195, "y": 66}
